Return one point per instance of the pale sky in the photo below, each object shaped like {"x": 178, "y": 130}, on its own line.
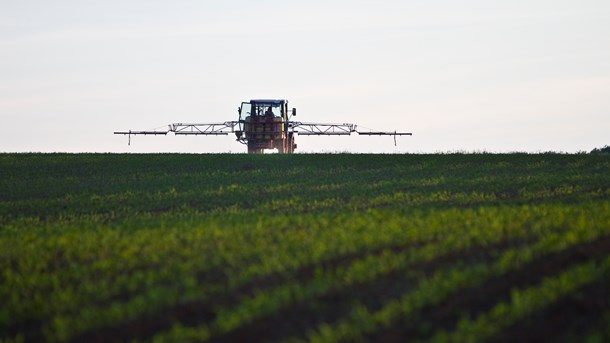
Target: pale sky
{"x": 461, "y": 75}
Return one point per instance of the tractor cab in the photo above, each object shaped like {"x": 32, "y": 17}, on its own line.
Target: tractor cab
{"x": 257, "y": 110}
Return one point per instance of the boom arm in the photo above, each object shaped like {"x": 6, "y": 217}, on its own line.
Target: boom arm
{"x": 204, "y": 129}
{"x": 318, "y": 129}
{"x": 337, "y": 129}
{"x": 346, "y": 129}
{"x": 189, "y": 129}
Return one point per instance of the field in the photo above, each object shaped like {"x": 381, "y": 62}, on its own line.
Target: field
{"x": 321, "y": 248}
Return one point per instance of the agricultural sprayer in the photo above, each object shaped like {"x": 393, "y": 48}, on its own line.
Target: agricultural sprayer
{"x": 264, "y": 124}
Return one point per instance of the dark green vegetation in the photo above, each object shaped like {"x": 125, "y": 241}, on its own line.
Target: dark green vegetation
{"x": 604, "y": 150}
{"x": 306, "y": 247}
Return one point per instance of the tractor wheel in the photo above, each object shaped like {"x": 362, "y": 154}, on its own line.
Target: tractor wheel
{"x": 254, "y": 150}
{"x": 290, "y": 144}
{"x": 281, "y": 147}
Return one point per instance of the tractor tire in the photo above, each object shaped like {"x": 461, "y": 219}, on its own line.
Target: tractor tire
{"x": 290, "y": 144}
{"x": 254, "y": 150}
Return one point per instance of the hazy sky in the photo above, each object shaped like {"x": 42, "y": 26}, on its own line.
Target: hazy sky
{"x": 461, "y": 75}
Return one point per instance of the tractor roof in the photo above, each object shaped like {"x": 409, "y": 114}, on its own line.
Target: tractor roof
{"x": 267, "y": 101}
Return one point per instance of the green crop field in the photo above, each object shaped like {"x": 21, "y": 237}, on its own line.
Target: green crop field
{"x": 321, "y": 248}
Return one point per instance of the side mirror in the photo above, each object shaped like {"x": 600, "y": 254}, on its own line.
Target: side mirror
{"x": 239, "y": 110}
{"x": 294, "y": 111}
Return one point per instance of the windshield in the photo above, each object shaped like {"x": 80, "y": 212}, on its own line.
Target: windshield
{"x": 270, "y": 110}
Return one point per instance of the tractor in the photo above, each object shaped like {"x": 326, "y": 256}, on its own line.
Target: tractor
{"x": 264, "y": 124}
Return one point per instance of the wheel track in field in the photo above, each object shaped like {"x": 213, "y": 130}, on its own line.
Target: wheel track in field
{"x": 478, "y": 300}
{"x": 203, "y": 311}
{"x": 302, "y": 316}
{"x": 31, "y": 328}
{"x": 565, "y": 320}
{"x": 195, "y": 312}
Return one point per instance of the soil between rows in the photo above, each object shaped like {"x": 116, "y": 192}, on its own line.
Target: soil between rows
{"x": 475, "y": 301}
